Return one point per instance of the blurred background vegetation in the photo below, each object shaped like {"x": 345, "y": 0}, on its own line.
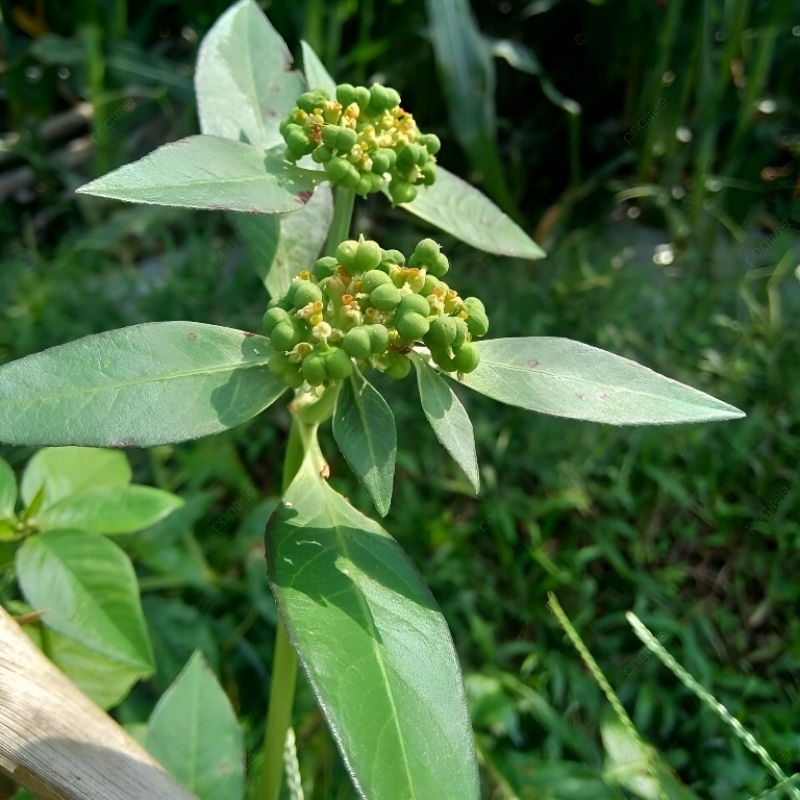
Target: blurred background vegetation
{"x": 652, "y": 147}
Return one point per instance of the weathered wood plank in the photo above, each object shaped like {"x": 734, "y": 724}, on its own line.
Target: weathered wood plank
{"x": 57, "y": 744}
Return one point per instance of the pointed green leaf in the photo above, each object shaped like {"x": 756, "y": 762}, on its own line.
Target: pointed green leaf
{"x": 211, "y": 173}
{"x": 88, "y": 588}
{"x": 139, "y": 386}
{"x": 366, "y": 433}
{"x": 8, "y": 491}
{"x": 449, "y": 420}
{"x": 570, "y": 379}
{"x": 243, "y": 81}
{"x": 63, "y": 471}
{"x": 281, "y": 246}
{"x": 110, "y": 509}
{"x": 317, "y": 77}
{"x": 195, "y": 735}
{"x": 462, "y": 211}
{"x": 374, "y": 645}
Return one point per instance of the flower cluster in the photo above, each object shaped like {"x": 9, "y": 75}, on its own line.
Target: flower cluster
{"x": 362, "y": 137}
{"x": 371, "y": 307}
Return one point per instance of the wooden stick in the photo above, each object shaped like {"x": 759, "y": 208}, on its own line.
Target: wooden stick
{"x": 58, "y": 744}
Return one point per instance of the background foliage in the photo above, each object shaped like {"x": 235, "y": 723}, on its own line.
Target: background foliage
{"x": 653, "y": 150}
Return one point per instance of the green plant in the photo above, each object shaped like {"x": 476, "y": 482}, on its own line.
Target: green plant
{"x": 370, "y": 637}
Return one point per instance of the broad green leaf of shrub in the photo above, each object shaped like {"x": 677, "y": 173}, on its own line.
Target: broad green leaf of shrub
{"x": 449, "y": 420}
{"x": 88, "y": 589}
{"x": 110, "y": 509}
{"x": 210, "y": 172}
{"x": 64, "y": 471}
{"x": 195, "y": 735}
{"x": 374, "y": 646}
{"x": 8, "y": 490}
{"x": 244, "y": 81}
{"x": 366, "y": 433}
{"x": 138, "y": 386}
{"x": 282, "y": 245}
{"x": 317, "y": 77}
{"x": 570, "y": 379}
{"x": 454, "y": 206}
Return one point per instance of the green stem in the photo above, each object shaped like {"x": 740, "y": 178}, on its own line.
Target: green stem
{"x": 302, "y": 441}
{"x": 343, "y": 202}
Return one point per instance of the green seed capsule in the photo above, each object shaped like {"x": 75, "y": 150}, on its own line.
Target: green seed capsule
{"x": 394, "y": 256}
{"x": 478, "y": 323}
{"x": 346, "y": 253}
{"x": 272, "y": 316}
{"x": 345, "y": 94}
{"x": 372, "y": 279}
{"x": 321, "y": 154}
{"x": 467, "y": 357}
{"x": 368, "y": 256}
{"x": 294, "y": 377}
{"x": 413, "y": 303}
{"x": 385, "y": 297}
{"x": 356, "y": 343}
{"x": 383, "y": 160}
{"x": 297, "y": 140}
{"x": 314, "y": 370}
{"x": 412, "y": 326}
{"x": 338, "y": 364}
{"x": 361, "y": 96}
{"x": 461, "y": 333}
{"x": 364, "y": 185}
{"x": 473, "y": 304}
{"x": 401, "y": 191}
{"x": 439, "y": 266}
{"x": 442, "y": 357}
{"x": 304, "y": 293}
{"x": 325, "y": 267}
{"x": 425, "y": 253}
{"x": 442, "y": 332}
{"x": 308, "y": 101}
{"x": 431, "y": 282}
{"x": 407, "y": 157}
{"x": 428, "y": 173}
{"x": 396, "y": 366}
{"x": 432, "y": 143}
{"x": 338, "y": 137}
{"x": 284, "y": 336}
{"x": 278, "y": 363}
{"x": 378, "y": 337}
{"x": 342, "y": 172}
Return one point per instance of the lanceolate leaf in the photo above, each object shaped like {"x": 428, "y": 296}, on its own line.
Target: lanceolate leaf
{"x": 8, "y": 491}
{"x": 244, "y": 83}
{"x": 88, "y": 588}
{"x": 366, "y": 433}
{"x": 63, "y": 471}
{"x": 110, "y": 509}
{"x": 374, "y": 645}
{"x": 449, "y": 419}
{"x": 194, "y": 733}
{"x": 280, "y": 246}
{"x": 210, "y": 172}
{"x": 138, "y": 386}
{"x": 454, "y": 206}
{"x": 317, "y": 77}
{"x": 570, "y": 379}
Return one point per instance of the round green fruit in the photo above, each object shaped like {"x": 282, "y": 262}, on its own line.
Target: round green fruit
{"x": 338, "y": 364}
{"x": 374, "y": 278}
{"x": 439, "y": 266}
{"x": 314, "y": 370}
{"x": 294, "y": 377}
{"x": 325, "y": 267}
{"x": 357, "y": 343}
{"x": 305, "y": 292}
{"x": 401, "y": 191}
{"x": 461, "y": 333}
{"x": 278, "y": 363}
{"x": 442, "y": 332}
{"x": 425, "y": 253}
{"x": 361, "y": 95}
{"x": 397, "y": 366}
{"x": 284, "y": 336}
{"x": 321, "y": 154}
{"x": 385, "y": 297}
{"x": 412, "y": 326}
{"x": 345, "y": 93}
{"x": 273, "y": 316}
{"x": 467, "y": 357}
{"x": 413, "y": 303}
{"x": 346, "y": 253}
{"x": 378, "y": 337}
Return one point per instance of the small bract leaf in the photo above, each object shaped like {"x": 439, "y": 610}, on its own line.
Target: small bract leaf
{"x": 138, "y": 386}
{"x": 63, "y": 471}
{"x": 571, "y": 379}
{"x": 8, "y": 491}
{"x": 374, "y": 645}
{"x": 454, "y": 206}
{"x": 317, "y": 77}
{"x": 366, "y": 433}
{"x": 209, "y": 172}
{"x": 195, "y": 735}
{"x": 110, "y": 509}
{"x": 244, "y": 81}
{"x": 88, "y": 588}
{"x": 449, "y": 420}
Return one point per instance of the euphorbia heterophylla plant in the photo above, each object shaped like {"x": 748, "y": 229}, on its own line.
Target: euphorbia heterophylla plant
{"x": 368, "y": 633}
